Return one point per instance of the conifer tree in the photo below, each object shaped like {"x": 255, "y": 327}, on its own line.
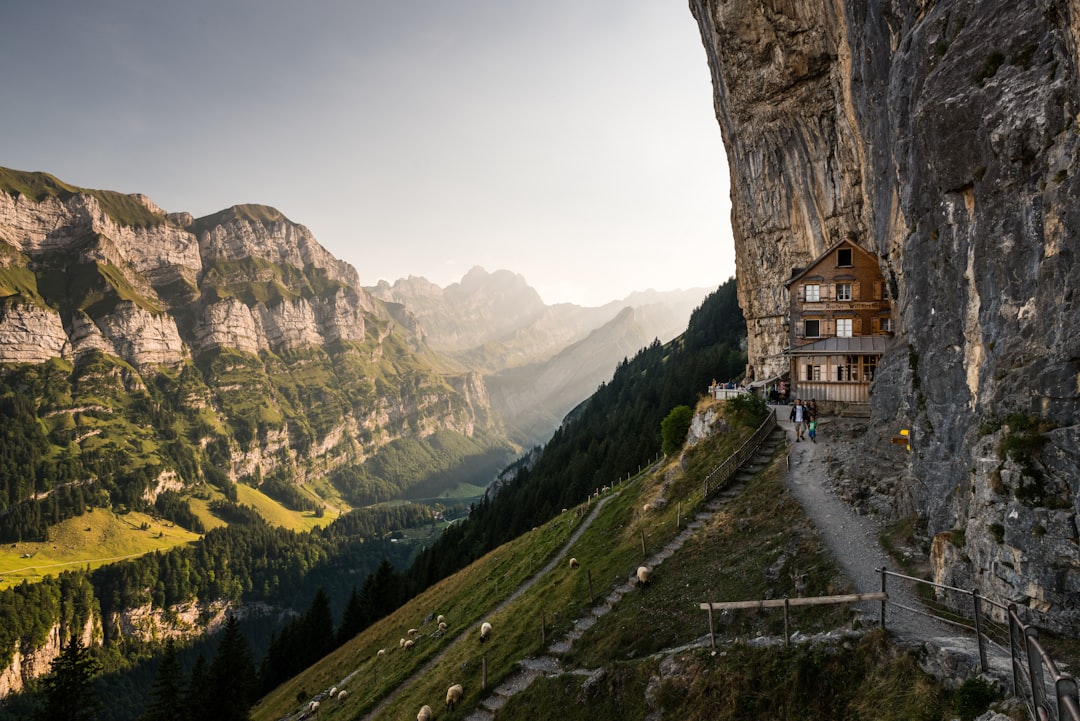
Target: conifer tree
{"x": 198, "y": 702}
{"x": 167, "y": 695}
{"x": 318, "y": 627}
{"x": 355, "y": 619}
{"x": 69, "y": 691}
{"x": 233, "y": 682}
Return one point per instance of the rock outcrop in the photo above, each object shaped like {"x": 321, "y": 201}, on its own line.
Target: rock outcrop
{"x": 941, "y": 135}
{"x": 280, "y": 357}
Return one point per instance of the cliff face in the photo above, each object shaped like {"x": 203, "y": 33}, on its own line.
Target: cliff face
{"x": 238, "y": 330}
{"x": 941, "y": 136}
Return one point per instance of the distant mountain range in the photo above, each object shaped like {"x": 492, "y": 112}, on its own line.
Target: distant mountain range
{"x": 538, "y": 360}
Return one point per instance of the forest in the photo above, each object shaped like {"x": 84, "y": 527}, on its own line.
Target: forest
{"x": 351, "y": 570}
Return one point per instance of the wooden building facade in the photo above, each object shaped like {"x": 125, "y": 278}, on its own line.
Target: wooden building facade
{"x": 841, "y": 322}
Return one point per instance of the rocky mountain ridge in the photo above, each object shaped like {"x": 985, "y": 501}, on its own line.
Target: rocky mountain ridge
{"x": 238, "y": 329}
{"x": 942, "y": 137}
{"x": 539, "y": 360}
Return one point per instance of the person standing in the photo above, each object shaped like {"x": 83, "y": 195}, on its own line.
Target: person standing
{"x": 799, "y": 418}
{"x": 812, "y": 427}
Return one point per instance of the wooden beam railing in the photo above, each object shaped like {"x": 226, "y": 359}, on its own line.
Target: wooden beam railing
{"x": 786, "y": 604}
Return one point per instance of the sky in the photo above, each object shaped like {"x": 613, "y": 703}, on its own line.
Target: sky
{"x": 571, "y": 141}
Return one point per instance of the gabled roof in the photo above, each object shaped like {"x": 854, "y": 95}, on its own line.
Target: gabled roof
{"x": 818, "y": 260}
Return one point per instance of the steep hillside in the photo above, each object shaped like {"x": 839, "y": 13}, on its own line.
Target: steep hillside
{"x": 645, "y": 656}
{"x": 143, "y": 352}
{"x": 942, "y": 137}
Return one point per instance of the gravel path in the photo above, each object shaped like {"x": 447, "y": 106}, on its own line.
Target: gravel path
{"x": 853, "y": 540}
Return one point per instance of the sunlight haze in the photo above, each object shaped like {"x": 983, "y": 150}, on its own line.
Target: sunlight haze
{"x": 571, "y": 142}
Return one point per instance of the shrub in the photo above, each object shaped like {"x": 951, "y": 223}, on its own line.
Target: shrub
{"x": 674, "y": 427}
{"x": 974, "y": 697}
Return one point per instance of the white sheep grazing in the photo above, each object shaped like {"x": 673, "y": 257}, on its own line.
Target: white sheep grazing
{"x": 442, "y": 625}
{"x": 425, "y": 713}
{"x": 574, "y": 563}
{"x": 382, "y": 652}
{"x": 409, "y": 644}
{"x": 313, "y": 707}
{"x": 485, "y": 631}
{"x": 401, "y": 643}
{"x": 341, "y": 695}
{"x": 646, "y": 508}
{"x": 454, "y": 694}
{"x": 333, "y": 692}
{"x": 440, "y": 619}
{"x": 643, "y": 576}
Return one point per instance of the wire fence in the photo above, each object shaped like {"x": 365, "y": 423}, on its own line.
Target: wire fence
{"x": 1049, "y": 694}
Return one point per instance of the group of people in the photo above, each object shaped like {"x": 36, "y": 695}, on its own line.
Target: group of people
{"x": 805, "y": 419}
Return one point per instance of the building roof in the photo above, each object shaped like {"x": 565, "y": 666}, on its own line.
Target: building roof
{"x": 858, "y": 345}
{"x": 799, "y": 273}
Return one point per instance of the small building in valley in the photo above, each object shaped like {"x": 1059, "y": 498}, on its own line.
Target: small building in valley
{"x": 841, "y": 322}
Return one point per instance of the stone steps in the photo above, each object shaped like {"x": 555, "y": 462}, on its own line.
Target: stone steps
{"x": 532, "y": 668}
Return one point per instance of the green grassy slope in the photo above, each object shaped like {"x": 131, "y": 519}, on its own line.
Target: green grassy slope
{"x": 754, "y": 547}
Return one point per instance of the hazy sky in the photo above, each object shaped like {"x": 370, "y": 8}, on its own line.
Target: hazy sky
{"x": 571, "y": 141}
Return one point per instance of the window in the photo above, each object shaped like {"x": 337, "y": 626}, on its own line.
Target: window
{"x": 812, "y": 328}
{"x": 849, "y": 369}
{"x": 813, "y": 373}
{"x": 869, "y": 366}
{"x": 886, "y": 324}
{"x": 843, "y": 257}
{"x": 843, "y": 291}
{"x": 843, "y": 327}
{"x": 812, "y": 293}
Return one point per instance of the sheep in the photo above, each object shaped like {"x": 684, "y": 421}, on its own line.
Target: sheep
{"x": 313, "y": 707}
{"x": 574, "y": 563}
{"x": 333, "y": 692}
{"x": 425, "y": 713}
{"x": 643, "y": 576}
{"x": 409, "y": 644}
{"x": 454, "y": 695}
{"x": 381, "y": 652}
{"x": 441, "y": 619}
{"x": 442, "y": 625}
{"x": 401, "y": 643}
{"x": 646, "y": 508}
{"x": 341, "y": 695}
{"x": 412, "y": 632}
{"x": 485, "y": 631}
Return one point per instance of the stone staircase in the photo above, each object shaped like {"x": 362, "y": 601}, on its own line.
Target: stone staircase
{"x": 529, "y": 669}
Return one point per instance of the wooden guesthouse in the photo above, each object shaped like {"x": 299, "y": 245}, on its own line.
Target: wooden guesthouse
{"x": 841, "y": 321}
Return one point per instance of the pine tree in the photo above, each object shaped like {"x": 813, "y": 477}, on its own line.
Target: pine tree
{"x": 167, "y": 695}
{"x": 69, "y": 691}
{"x": 318, "y": 627}
{"x": 355, "y": 619}
{"x": 198, "y": 701}
{"x": 232, "y": 681}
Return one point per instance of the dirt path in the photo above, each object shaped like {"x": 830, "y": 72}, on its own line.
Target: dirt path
{"x": 557, "y": 559}
{"x": 854, "y": 542}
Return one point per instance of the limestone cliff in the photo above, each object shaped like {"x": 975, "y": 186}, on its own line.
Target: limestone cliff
{"x": 237, "y": 330}
{"x": 941, "y": 135}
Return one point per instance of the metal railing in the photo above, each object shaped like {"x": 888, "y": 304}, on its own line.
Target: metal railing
{"x": 999, "y": 625}
{"x": 722, "y": 474}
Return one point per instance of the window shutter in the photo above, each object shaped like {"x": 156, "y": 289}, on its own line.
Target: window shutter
{"x": 855, "y": 291}
{"x": 799, "y": 333}
{"x": 875, "y": 325}
{"x": 877, "y": 290}
{"x": 856, "y": 326}
{"x": 827, "y": 328}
